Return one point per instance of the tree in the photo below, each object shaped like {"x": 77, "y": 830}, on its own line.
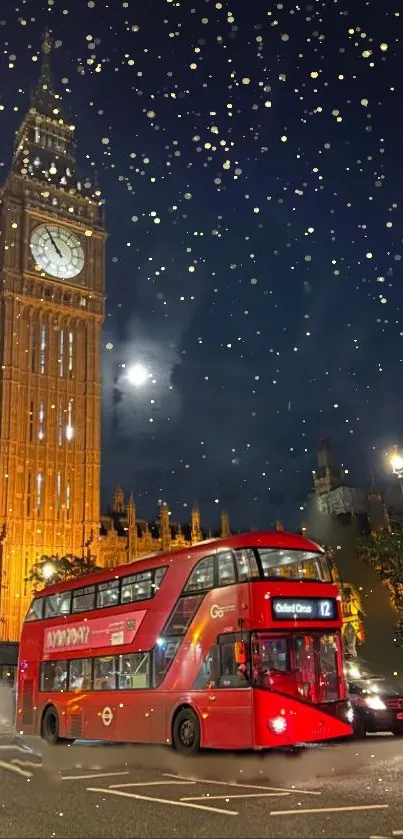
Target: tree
{"x": 53, "y": 569}
{"x": 384, "y": 554}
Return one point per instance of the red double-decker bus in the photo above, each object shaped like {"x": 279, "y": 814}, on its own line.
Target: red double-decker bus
{"x": 232, "y": 644}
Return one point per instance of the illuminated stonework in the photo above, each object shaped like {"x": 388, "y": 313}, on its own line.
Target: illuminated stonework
{"x": 124, "y": 537}
{"x": 50, "y": 381}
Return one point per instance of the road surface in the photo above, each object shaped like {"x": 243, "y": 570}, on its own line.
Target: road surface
{"x": 90, "y": 791}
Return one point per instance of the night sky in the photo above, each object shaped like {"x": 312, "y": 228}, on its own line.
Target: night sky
{"x": 250, "y": 157}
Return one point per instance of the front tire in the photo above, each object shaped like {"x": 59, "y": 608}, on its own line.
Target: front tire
{"x": 186, "y": 732}
{"x": 50, "y": 726}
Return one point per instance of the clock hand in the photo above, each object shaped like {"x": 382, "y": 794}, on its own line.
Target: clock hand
{"x": 59, "y": 253}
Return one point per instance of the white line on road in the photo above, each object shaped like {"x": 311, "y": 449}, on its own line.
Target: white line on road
{"x": 227, "y": 797}
{"x": 12, "y": 747}
{"x": 162, "y": 801}
{"x": 243, "y": 786}
{"x": 34, "y": 764}
{"x": 329, "y": 809}
{"x": 13, "y": 768}
{"x": 153, "y": 784}
{"x": 397, "y": 832}
{"x": 95, "y": 775}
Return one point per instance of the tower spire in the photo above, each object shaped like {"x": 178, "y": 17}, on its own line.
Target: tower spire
{"x": 196, "y": 533}
{"x": 165, "y": 528}
{"x": 327, "y": 475}
{"x": 44, "y": 100}
{"x": 225, "y": 531}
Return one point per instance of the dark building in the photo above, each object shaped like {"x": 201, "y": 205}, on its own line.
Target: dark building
{"x": 337, "y": 514}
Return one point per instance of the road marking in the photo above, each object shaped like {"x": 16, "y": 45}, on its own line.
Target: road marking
{"x": 95, "y": 775}
{"x": 18, "y": 760}
{"x": 208, "y": 797}
{"x": 17, "y": 769}
{"x": 13, "y": 747}
{"x": 330, "y": 809}
{"x": 243, "y": 786}
{"x": 151, "y": 784}
{"x": 397, "y": 832}
{"x": 163, "y": 801}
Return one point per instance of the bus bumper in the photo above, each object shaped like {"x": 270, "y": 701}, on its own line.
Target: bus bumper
{"x": 282, "y": 721}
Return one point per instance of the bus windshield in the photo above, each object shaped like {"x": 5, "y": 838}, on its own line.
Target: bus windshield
{"x": 294, "y": 565}
{"x": 306, "y": 665}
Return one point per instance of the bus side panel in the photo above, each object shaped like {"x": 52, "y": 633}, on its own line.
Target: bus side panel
{"x": 135, "y": 716}
{"x": 27, "y": 718}
{"x": 225, "y": 718}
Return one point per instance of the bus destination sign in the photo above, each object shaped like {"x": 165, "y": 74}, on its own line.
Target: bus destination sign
{"x": 304, "y": 608}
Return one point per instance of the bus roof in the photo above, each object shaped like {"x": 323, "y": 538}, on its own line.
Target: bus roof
{"x": 265, "y": 538}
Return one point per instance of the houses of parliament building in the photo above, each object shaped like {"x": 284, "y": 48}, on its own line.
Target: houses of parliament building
{"x": 123, "y": 537}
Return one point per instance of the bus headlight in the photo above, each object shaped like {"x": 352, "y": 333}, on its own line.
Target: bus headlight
{"x": 350, "y": 714}
{"x": 278, "y": 725}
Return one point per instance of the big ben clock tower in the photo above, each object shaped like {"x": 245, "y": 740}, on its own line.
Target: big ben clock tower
{"x": 52, "y": 306}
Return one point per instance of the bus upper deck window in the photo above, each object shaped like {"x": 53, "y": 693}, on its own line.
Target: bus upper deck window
{"x": 226, "y": 568}
{"x": 35, "y": 611}
{"x": 246, "y": 565}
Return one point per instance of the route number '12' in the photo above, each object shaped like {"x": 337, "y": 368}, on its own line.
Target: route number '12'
{"x": 324, "y": 609}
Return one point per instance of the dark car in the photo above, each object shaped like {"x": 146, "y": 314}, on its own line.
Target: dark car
{"x": 377, "y": 702}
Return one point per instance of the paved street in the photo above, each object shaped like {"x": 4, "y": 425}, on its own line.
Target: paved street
{"x": 123, "y": 791}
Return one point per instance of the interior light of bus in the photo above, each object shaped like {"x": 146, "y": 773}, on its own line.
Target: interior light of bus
{"x": 240, "y": 652}
{"x": 278, "y": 724}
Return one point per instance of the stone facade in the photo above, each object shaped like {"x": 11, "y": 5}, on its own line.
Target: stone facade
{"x": 123, "y": 537}
{"x": 51, "y": 316}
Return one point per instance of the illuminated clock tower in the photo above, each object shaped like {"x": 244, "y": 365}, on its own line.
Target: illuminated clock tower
{"x": 52, "y": 307}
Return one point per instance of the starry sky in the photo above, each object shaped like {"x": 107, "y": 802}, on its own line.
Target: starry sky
{"x": 250, "y": 157}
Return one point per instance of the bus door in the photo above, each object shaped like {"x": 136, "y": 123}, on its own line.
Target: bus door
{"x": 228, "y": 723}
{"x": 101, "y": 705}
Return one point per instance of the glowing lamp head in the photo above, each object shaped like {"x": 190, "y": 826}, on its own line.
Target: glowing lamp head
{"x": 137, "y": 375}
{"x": 48, "y": 570}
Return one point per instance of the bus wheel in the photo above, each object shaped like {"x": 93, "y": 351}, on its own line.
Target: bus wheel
{"x": 186, "y": 732}
{"x": 50, "y": 726}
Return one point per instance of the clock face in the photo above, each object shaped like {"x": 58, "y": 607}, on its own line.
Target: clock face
{"x": 57, "y": 251}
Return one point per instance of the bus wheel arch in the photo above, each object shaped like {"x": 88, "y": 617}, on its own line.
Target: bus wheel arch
{"x": 50, "y": 725}
{"x": 186, "y": 730}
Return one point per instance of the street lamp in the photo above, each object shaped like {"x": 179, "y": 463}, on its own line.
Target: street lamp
{"x": 48, "y": 570}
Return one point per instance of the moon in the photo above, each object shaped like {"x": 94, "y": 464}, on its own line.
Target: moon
{"x": 137, "y": 375}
